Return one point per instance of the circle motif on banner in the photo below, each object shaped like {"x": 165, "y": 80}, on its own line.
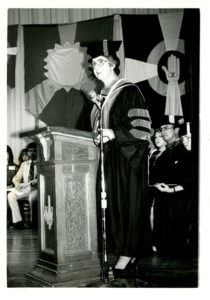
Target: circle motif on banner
{"x": 159, "y": 56}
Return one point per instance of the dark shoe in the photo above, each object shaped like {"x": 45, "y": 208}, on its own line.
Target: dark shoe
{"x": 118, "y": 272}
{"x": 128, "y": 270}
{"x": 132, "y": 268}
{"x": 18, "y": 226}
{"x": 9, "y": 225}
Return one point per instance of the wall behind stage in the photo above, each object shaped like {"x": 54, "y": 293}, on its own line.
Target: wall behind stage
{"x": 65, "y": 16}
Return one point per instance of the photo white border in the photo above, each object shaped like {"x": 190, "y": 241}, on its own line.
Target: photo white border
{"x": 202, "y": 292}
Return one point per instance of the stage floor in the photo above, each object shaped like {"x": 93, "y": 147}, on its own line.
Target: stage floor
{"x": 154, "y": 271}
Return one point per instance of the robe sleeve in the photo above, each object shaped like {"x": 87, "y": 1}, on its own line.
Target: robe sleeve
{"x": 131, "y": 124}
{"x": 184, "y": 168}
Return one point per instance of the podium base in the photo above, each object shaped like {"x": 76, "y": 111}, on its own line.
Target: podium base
{"x": 78, "y": 274}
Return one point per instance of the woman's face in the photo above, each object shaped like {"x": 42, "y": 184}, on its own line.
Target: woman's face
{"x": 186, "y": 140}
{"x": 159, "y": 141}
{"x": 102, "y": 68}
{"x": 24, "y": 156}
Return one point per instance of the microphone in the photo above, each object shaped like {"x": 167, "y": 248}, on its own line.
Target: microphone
{"x": 97, "y": 99}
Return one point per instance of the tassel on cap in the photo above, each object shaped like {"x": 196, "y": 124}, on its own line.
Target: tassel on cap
{"x": 105, "y": 48}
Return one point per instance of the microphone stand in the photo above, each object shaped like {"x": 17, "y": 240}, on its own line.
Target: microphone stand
{"x": 104, "y": 271}
{"x": 106, "y": 276}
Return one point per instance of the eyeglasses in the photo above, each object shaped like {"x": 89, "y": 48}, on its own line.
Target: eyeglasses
{"x": 99, "y": 63}
{"x": 165, "y": 128}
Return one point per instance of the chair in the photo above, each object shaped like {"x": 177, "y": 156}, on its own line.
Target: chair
{"x": 25, "y": 210}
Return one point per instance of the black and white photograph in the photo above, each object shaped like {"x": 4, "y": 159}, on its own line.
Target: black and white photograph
{"x": 103, "y": 127}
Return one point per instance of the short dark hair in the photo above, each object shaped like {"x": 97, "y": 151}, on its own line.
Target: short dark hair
{"x": 116, "y": 61}
{"x": 11, "y": 157}
{"x": 31, "y": 145}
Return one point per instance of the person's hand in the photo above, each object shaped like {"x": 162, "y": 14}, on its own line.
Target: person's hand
{"x": 21, "y": 186}
{"x": 108, "y": 135}
{"x": 95, "y": 98}
{"x": 34, "y": 182}
{"x": 173, "y": 71}
{"x": 162, "y": 187}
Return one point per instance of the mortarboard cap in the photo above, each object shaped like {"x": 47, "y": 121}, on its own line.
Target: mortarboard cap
{"x": 185, "y": 129}
{"x": 164, "y": 120}
{"x": 104, "y": 48}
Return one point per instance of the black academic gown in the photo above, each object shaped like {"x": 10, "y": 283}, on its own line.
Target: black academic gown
{"x": 171, "y": 210}
{"x": 68, "y": 109}
{"x": 126, "y": 172}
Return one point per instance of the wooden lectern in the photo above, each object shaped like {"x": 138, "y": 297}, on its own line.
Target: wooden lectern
{"x": 67, "y": 165}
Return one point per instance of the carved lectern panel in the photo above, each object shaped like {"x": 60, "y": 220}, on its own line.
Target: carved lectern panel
{"x": 71, "y": 151}
{"x": 76, "y": 223}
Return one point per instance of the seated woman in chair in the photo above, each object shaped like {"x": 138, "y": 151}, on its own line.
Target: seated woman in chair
{"x": 12, "y": 169}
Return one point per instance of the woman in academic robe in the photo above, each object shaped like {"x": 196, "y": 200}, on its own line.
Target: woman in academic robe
{"x": 154, "y": 159}
{"x": 126, "y": 135}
